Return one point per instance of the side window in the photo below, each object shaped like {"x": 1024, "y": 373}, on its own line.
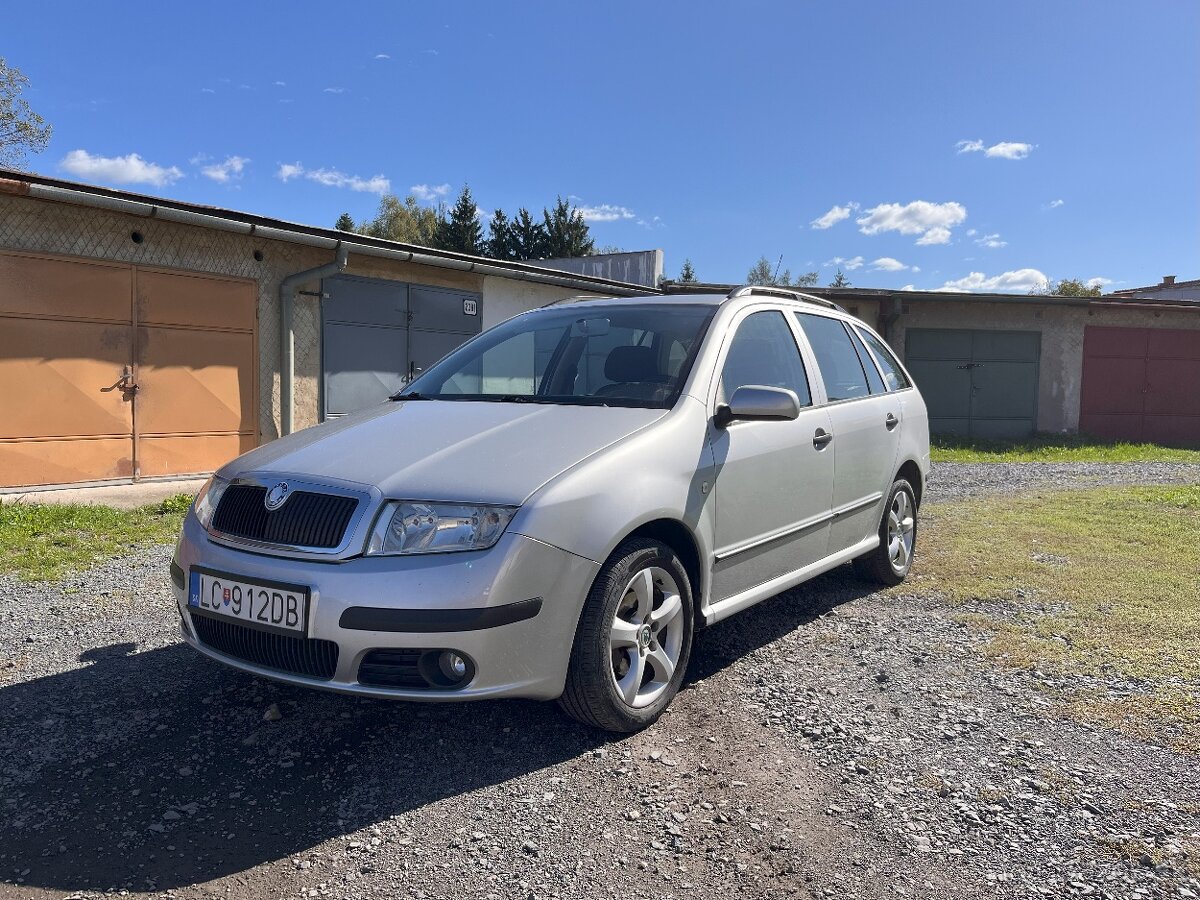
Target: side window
{"x": 841, "y": 369}
{"x": 764, "y": 352}
{"x": 892, "y": 373}
{"x": 873, "y": 379}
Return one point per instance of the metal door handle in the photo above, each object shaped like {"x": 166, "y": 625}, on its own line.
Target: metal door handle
{"x": 891, "y": 422}
{"x": 821, "y": 438}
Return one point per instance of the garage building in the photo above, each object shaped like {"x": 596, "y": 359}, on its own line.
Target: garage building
{"x": 144, "y": 338}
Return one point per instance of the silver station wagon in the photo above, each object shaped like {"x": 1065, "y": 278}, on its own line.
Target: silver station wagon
{"x": 553, "y": 509}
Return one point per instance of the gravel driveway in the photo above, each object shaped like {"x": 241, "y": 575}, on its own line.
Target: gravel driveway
{"x": 829, "y": 742}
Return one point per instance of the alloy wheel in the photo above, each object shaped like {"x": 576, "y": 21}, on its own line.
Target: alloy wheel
{"x": 901, "y": 527}
{"x": 646, "y": 636}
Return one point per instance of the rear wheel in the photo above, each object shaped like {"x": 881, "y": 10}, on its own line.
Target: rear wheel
{"x": 634, "y": 639}
{"x": 889, "y": 563}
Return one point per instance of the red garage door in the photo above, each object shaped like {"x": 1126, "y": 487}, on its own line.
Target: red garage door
{"x": 1141, "y": 384}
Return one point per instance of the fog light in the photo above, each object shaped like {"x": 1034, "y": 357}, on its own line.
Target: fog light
{"x": 453, "y": 666}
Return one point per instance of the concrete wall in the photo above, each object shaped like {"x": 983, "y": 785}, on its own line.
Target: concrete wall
{"x": 1062, "y": 328}
{"x": 639, "y": 267}
{"x": 41, "y": 226}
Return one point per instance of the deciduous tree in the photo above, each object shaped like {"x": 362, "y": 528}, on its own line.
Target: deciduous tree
{"x": 21, "y": 129}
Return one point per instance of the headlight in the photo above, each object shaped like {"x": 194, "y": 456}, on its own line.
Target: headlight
{"x": 207, "y": 500}
{"x": 407, "y": 526}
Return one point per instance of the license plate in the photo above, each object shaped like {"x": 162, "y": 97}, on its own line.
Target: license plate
{"x": 262, "y": 604}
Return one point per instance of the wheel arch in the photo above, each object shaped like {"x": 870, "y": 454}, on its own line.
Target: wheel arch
{"x": 911, "y": 472}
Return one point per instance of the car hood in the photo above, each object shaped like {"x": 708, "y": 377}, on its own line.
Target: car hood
{"x": 448, "y": 450}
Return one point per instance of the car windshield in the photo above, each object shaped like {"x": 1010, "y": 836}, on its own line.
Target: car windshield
{"x": 618, "y": 355}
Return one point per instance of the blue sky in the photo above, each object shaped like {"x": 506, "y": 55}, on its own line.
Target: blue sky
{"x": 976, "y": 145}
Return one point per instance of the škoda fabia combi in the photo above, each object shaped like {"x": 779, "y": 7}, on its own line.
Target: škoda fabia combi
{"x": 555, "y": 508}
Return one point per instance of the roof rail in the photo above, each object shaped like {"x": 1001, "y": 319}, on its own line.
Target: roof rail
{"x": 750, "y": 290}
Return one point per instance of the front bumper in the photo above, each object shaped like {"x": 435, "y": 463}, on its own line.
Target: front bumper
{"x": 467, "y": 593}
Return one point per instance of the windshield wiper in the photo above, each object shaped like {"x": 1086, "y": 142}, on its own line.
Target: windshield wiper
{"x": 411, "y": 395}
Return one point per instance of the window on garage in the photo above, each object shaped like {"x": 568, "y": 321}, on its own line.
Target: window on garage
{"x": 976, "y": 383}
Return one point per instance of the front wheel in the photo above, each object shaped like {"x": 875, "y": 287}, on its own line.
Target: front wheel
{"x": 634, "y": 639}
{"x": 890, "y": 562}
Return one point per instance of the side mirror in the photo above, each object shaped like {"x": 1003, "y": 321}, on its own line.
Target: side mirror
{"x": 756, "y": 401}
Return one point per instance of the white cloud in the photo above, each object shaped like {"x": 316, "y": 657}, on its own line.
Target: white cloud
{"x": 1016, "y": 281}
{"x": 382, "y": 56}
{"x": 1098, "y": 282}
{"x": 226, "y": 171}
{"x": 908, "y": 287}
{"x": 932, "y": 221}
{"x": 430, "y": 52}
{"x": 333, "y": 178}
{"x": 429, "y": 193}
{"x": 280, "y": 84}
{"x": 835, "y": 215}
{"x": 971, "y": 232}
{"x": 1009, "y": 150}
{"x": 937, "y": 235}
{"x": 1002, "y": 150}
{"x": 854, "y": 262}
{"x": 991, "y": 241}
{"x": 887, "y": 264}
{"x": 1055, "y": 204}
{"x": 605, "y": 212}
{"x": 131, "y": 169}
{"x": 287, "y": 171}
{"x": 916, "y": 268}
{"x": 335, "y": 90}
{"x": 207, "y": 91}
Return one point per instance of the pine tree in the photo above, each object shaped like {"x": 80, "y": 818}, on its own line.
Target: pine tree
{"x": 528, "y": 236}
{"x": 566, "y": 231}
{"x": 687, "y": 274}
{"x": 500, "y": 243}
{"x": 344, "y": 222}
{"x": 461, "y": 231}
{"x": 840, "y": 280}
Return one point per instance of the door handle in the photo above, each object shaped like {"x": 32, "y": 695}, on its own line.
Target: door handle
{"x": 891, "y": 422}
{"x": 822, "y": 438}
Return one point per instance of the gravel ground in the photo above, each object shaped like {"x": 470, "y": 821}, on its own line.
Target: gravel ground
{"x": 829, "y": 742}
{"x": 961, "y": 481}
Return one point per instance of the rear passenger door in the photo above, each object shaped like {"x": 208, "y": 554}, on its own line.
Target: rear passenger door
{"x": 773, "y": 485}
{"x": 865, "y": 421}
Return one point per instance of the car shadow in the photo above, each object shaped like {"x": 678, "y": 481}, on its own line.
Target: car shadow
{"x": 157, "y": 770}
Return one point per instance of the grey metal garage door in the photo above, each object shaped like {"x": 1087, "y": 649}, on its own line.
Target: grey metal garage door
{"x": 976, "y": 383}
{"x": 374, "y": 333}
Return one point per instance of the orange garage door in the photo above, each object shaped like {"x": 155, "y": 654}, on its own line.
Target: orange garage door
{"x": 115, "y": 371}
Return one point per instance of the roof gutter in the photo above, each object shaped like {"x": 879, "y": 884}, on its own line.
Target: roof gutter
{"x": 287, "y": 343}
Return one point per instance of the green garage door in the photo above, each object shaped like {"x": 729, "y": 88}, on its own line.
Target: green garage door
{"x": 976, "y": 383}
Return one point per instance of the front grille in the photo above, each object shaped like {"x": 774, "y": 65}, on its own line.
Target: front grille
{"x": 392, "y": 668}
{"x": 298, "y": 656}
{"x": 307, "y": 519}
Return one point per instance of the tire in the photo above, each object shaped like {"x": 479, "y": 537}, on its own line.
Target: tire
{"x": 890, "y": 562}
{"x": 631, "y": 624}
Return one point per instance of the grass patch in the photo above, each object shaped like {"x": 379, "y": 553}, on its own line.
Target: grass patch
{"x": 1053, "y": 448}
{"x": 1103, "y": 582}
{"x": 44, "y": 542}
